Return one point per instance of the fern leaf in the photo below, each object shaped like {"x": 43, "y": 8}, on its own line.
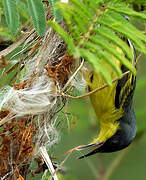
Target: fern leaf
{"x": 11, "y": 14}
{"x": 120, "y": 8}
{"x": 109, "y": 35}
{"x": 23, "y": 10}
{"x": 103, "y": 55}
{"x": 65, "y": 36}
{"x": 112, "y": 50}
{"x": 56, "y": 11}
{"x": 37, "y": 13}
{"x": 97, "y": 34}
{"x": 119, "y": 24}
{"x": 97, "y": 64}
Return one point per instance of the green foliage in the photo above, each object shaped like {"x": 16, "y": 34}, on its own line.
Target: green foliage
{"x": 37, "y": 13}
{"x": 0, "y": 15}
{"x": 14, "y": 8}
{"x": 23, "y": 10}
{"x": 126, "y": 11}
{"x": 140, "y": 2}
{"x": 56, "y": 12}
{"x": 6, "y": 77}
{"x": 5, "y": 32}
{"x": 11, "y": 13}
{"x": 117, "y": 23}
{"x": 96, "y": 32}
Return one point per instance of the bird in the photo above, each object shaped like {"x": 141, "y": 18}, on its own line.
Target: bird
{"x": 114, "y": 108}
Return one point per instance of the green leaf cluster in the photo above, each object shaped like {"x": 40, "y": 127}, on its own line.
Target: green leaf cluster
{"x": 96, "y": 32}
{"x": 56, "y": 12}
{"x": 11, "y": 13}
{"x": 14, "y": 8}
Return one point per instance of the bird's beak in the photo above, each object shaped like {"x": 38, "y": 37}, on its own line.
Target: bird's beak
{"x": 97, "y": 145}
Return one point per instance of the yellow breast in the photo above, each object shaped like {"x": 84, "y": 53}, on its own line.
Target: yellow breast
{"x": 103, "y": 102}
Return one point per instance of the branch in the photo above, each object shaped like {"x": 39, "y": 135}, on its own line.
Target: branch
{"x": 102, "y": 87}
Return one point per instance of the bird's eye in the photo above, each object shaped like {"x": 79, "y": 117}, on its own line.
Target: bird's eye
{"x": 115, "y": 141}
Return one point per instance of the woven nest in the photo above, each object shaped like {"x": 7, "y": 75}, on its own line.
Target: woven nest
{"x": 29, "y": 109}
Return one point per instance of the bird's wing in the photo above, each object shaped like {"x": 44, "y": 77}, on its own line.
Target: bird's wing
{"x": 125, "y": 86}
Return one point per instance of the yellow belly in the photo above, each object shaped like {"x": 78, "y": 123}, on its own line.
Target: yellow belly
{"x": 103, "y": 102}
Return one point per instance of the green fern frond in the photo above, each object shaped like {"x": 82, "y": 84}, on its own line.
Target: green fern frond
{"x": 11, "y": 14}
{"x": 37, "y": 12}
{"x": 23, "y": 10}
{"x": 94, "y": 30}
{"x": 56, "y": 12}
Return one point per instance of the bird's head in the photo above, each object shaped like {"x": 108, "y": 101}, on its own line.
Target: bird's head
{"x": 121, "y": 139}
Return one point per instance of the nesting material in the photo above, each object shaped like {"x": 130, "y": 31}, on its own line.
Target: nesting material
{"x": 34, "y": 100}
{"x": 29, "y": 109}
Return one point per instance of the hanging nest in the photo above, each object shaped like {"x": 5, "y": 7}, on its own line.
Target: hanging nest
{"x": 29, "y": 109}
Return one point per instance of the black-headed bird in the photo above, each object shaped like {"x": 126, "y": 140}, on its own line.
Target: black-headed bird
{"x": 114, "y": 108}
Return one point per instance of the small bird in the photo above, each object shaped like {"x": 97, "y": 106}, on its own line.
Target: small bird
{"x": 114, "y": 108}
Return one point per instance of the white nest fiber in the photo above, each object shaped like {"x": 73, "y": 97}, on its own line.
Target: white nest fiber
{"x": 37, "y": 99}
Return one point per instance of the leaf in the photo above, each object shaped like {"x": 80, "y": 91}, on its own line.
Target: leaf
{"x": 104, "y": 55}
{"x": 37, "y": 12}
{"x": 11, "y": 14}
{"x": 97, "y": 64}
{"x": 120, "y": 8}
{"x": 82, "y": 8}
{"x": 119, "y": 24}
{"x": 4, "y": 76}
{"x": 56, "y": 12}
{"x": 99, "y": 34}
{"x": 23, "y": 10}
{"x": 109, "y": 35}
{"x": 114, "y": 51}
{"x": 64, "y": 36}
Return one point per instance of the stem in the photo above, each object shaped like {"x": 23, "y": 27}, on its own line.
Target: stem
{"x": 94, "y": 170}
{"x": 119, "y": 158}
{"x": 102, "y": 87}
{"x": 102, "y": 168}
{"x": 48, "y": 162}
{"x": 115, "y": 163}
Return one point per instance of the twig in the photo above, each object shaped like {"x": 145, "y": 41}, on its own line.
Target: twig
{"x": 102, "y": 87}
{"x": 102, "y": 168}
{"x": 94, "y": 91}
{"x": 21, "y": 39}
{"x": 61, "y": 164}
{"x": 70, "y": 79}
{"x": 48, "y": 162}
{"x": 116, "y": 163}
{"x": 44, "y": 175}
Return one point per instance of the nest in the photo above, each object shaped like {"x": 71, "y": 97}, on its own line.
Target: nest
{"x": 29, "y": 109}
